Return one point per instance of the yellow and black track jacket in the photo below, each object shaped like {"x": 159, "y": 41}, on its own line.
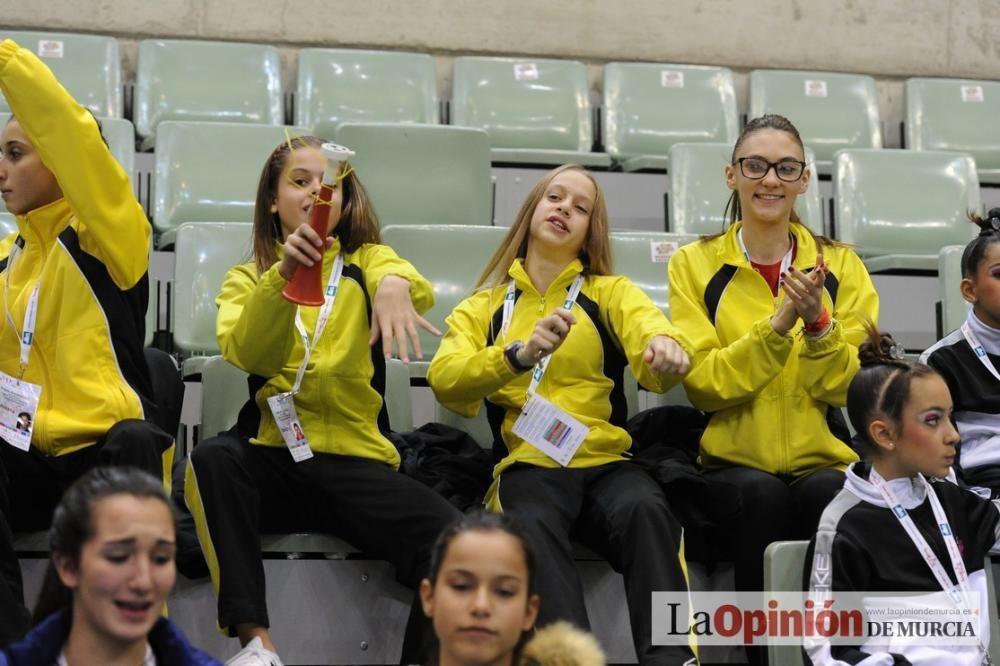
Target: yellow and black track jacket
{"x": 768, "y": 393}
{"x": 615, "y": 321}
{"x": 90, "y": 250}
{"x": 340, "y": 404}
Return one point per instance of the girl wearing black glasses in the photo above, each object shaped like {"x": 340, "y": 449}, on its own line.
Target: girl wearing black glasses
{"x": 770, "y": 310}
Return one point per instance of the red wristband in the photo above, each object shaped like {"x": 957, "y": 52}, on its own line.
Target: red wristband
{"x": 820, "y": 325}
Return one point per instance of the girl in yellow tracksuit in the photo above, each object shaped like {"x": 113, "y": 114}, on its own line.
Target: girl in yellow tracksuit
{"x": 240, "y": 486}
{"x": 78, "y": 261}
{"x": 552, "y": 307}
{"x": 771, "y": 312}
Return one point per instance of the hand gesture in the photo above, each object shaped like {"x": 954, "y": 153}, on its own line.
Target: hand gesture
{"x": 394, "y": 319}
{"x": 302, "y": 247}
{"x": 665, "y": 356}
{"x": 547, "y": 337}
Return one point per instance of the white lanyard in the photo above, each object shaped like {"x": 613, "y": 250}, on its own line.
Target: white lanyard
{"x": 980, "y": 350}
{"x": 508, "y": 314}
{"x": 324, "y": 316}
{"x": 904, "y": 518}
{"x": 786, "y": 261}
{"x": 26, "y": 336}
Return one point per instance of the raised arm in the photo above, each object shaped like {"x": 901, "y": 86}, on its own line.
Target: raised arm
{"x": 113, "y": 227}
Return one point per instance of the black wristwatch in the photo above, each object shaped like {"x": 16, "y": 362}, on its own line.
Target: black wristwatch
{"x": 511, "y": 353}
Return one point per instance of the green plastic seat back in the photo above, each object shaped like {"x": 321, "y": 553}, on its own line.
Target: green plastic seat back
{"x": 7, "y": 225}
{"x": 903, "y": 201}
{"x": 642, "y": 257}
{"x": 954, "y": 308}
{"x": 831, "y": 111}
{"x": 346, "y": 85}
{"x": 203, "y": 254}
{"x": 88, "y": 66}
{"x": 523, "y": 102}
{"x": 696, "y": 184}
{"x": 224, "y": 391}
{"x": 209, "y": 171}
{"x": 784, "y": 568}
{"x": 206, "y": 81}
{"x": 650, "y": 107}
{"x": 451, "y": 258}
{"x": 955, "y": 115}
{"x": 423, "y": 174}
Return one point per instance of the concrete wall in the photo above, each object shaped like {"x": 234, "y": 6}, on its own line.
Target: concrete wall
{"x": 891, "y": 40}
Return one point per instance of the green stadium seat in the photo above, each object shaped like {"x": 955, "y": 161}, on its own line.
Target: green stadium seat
{"x": 205, "y": 81}
{"x": 347, "y": 85}
{"x": 224, "y": 391}
{"x": 422, "y": 174}
{"x": 956, "y": 115}
{"x": 204, "y": 253}
{"x": 954, "y": 308}
{"x": 831, "y": 111}
{"x": 209, "y": 171}
{"x": 642, "y": 257}
{"x": 650, "y": 107}
{"x": 7, "y": 225}
{"x": 151, "y": 313}
{"x": 451, "y": 257}
{"x": 88, "y": 66}
{"x": 696, "y": 186}
{"x": 784, "y": 569}
{"x": 898, "y": 208}
{"x": 536, "y": 111}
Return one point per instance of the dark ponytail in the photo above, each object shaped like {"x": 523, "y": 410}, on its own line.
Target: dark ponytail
{"x": 989, "y": 233}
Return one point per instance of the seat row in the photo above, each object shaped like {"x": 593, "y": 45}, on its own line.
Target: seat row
{"x": 451, "y": 257}
{"x": 534, "y": 110}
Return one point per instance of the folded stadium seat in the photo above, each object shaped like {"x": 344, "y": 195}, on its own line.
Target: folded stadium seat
{"x": 898, "y": 208}
{"x": 831, "y": 111}
{"x": 956, "y": 115}
{"x": 204, "y": 253}
{"x": 422, "y": 174}
{"x": 650, "y": 107}
{"x": 7, "y": 225}
{"x": 536, "y": 111}
{"x": 954, "y": 308}
{"x": 120, "y": 135}
{"x": 697, "y": 191}
{"x": 451, "y": 257}
{"x": 347, "y": 85}
{"x": 88, "y": 66}
{"x": 151, "y": 313}
{"x": 209, "y": 171}
{"x": 784, "y": 568}
{"x": 205, "y": 81}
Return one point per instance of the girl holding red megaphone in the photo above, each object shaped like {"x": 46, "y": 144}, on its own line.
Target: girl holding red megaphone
{"x": 321, "y": 369}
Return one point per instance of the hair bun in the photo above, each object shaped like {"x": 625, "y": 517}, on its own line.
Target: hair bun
{"x": 989, "y": 224}
{"x": 886, "y": 352}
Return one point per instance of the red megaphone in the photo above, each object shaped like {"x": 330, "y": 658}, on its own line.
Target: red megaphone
{"x": 306, "y": 285}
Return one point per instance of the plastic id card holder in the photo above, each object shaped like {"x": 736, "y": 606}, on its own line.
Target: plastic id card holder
{"x": 283, "y": 408}
{"x": 18, "y": 406}
{"x": 549, "y": 429}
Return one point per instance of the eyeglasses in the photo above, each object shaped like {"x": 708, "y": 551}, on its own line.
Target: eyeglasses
{"x": 756, "y": 168}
